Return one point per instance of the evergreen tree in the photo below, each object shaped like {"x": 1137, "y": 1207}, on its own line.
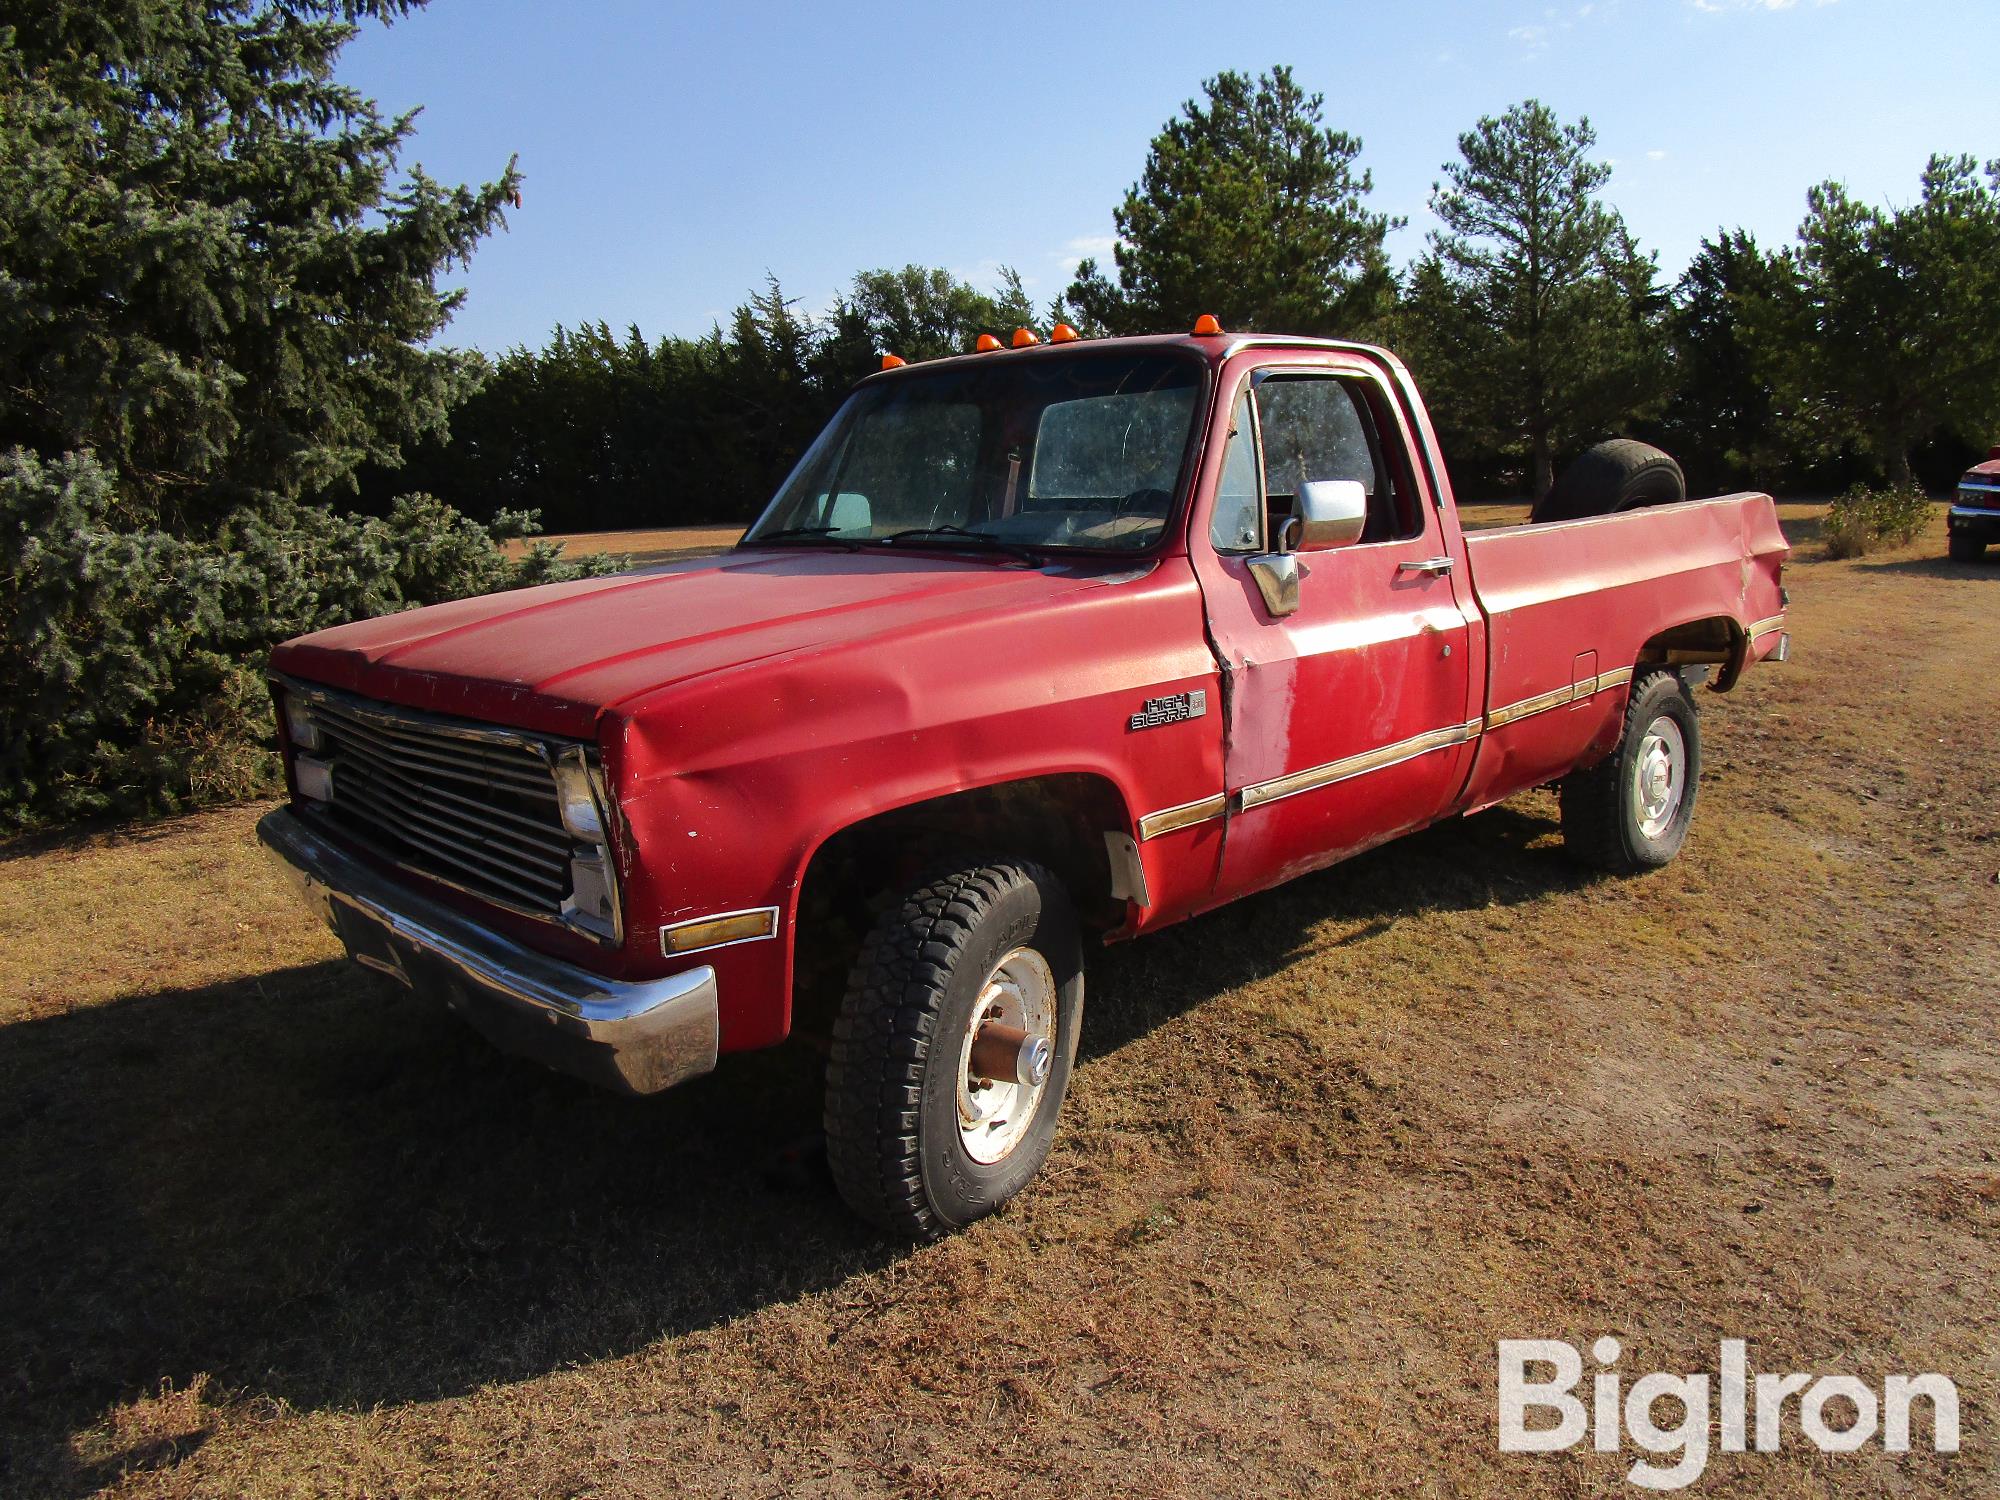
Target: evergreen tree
{"x": 209, "y": 271}
{"x": 924, "y": 312}
{"x": 598, "y": 430}
{"x": 1250, "y": 208}
{"x": 1533, "y": 316}
{"x": 1718, "y": 421}
{"x": 1894, "y": 330}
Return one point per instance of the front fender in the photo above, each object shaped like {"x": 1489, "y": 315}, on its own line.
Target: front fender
{"x": 728, "y": 785}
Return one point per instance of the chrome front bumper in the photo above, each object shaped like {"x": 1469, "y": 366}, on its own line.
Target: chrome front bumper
{"x": 637, "y": 1038}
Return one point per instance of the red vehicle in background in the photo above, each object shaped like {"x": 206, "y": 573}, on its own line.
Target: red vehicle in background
{"x": 1974, "y": 519}
{"x": 1036, "y": 647}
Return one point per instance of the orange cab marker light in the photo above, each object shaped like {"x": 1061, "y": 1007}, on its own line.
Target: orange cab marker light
{"x": 1206, "y": 326}
{"x": 893, "y": 361}
{"x": 1023, "y": 337}
{"x": 1062, "y": 333}
{"x": 986, "y": 345}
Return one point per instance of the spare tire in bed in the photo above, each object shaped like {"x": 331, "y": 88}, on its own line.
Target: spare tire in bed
{"x": 1617, "y": 475}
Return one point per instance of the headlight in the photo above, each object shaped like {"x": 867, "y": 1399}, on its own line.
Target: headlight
{"x": 314, "y": 777}
{"x": 577, "y": 793}
{"x": 299, "y": 726}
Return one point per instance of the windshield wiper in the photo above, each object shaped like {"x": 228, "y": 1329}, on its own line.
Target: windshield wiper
{"x": 958, "y": 536}
{"x": 796, "y": 533}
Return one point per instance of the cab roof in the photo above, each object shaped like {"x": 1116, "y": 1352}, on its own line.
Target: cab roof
{"x": 1214, "y": 348}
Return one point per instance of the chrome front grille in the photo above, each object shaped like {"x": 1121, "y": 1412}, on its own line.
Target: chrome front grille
{"x": 477, "y": 807}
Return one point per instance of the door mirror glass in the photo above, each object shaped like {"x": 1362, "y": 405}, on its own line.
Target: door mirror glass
{"x": 1331, "y": 513}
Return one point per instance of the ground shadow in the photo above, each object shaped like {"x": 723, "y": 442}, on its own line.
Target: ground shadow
{"x": 1940, "y": 567}
{"x": 316, "y": 1189}
{"x": 81, "y": 833}
{"x": 1503, "y": 856}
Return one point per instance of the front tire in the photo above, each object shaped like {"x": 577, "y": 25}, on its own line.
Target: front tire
{"x": 1964, "y": 547}
{"x": 953, "y": 1048}
{"x": 1630, "y": 812}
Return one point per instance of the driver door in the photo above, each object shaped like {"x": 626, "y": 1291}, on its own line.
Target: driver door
{"x": 1349, "y": 715}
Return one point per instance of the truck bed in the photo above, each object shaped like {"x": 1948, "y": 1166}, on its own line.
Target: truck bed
{"x": 1569, "y": 605}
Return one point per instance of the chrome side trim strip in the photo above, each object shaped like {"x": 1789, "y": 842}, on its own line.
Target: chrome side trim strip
{"x": 1378, "y": 759}
{"x": 1539, "y": 704}
{"x": 1763, "y": 627}
{"x": 1277, "y": 789}
{"x": 1171, "y": 819}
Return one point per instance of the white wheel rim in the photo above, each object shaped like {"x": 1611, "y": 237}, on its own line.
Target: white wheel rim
{"x": 1659, "y": 781}
{"x": 995, "y": 1113}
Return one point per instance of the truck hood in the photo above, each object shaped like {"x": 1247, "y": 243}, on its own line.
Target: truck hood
{"x": 553, "y": 659}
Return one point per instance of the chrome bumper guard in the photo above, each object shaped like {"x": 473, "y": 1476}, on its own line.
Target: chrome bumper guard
{"x": 637, "y": 1038}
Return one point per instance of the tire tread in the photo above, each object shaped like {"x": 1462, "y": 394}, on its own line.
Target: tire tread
{"x": 1594, "y": 815}
{"x": 882, "y": 1038}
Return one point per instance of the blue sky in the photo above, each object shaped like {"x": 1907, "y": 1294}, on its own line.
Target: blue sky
{"x": 675, "y": 153}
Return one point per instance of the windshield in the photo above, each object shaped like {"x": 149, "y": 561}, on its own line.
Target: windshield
{"x": 1083, "y": 451}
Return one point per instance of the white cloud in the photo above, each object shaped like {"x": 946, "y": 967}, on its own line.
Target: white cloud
{"x": 1535, "y": 37}
{"x": 1098, "y": 245}
{"x": 1656, "y": 156}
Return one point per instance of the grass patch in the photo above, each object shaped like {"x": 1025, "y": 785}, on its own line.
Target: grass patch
{"x": 270, "y": 1225}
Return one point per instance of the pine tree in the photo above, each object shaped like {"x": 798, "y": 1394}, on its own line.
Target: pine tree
{"x": 210, "y": 271}
{"x": 1894, "y": 329}
{"x": 1533, "y": 316}
{"x": 1718, "y": 421}
{"x": 1250, "y": 208}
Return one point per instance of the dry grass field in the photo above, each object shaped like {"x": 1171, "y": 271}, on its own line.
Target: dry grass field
{"x": 269, "y": 1226}
{"x": 646, "y": 546}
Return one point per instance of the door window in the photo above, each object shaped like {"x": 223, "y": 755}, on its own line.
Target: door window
{"x": 1308, "y": 428}
{"x": 1238, "y": 522}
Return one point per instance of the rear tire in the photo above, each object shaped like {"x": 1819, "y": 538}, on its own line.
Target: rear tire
{"x": 1964, "y": 548}
{"x": 918, "y": 1142}
{"x": 1630, "y": 812}
{"x": 1613, "y": 476}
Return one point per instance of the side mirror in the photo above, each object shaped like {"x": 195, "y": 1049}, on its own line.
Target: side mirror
{"x": 1331, "y": 513}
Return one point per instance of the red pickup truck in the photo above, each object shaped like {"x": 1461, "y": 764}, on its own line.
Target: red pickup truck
{"x": 1035, "y": 647}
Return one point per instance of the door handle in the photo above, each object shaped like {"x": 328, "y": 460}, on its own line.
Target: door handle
{"x": 1436, "y": 567}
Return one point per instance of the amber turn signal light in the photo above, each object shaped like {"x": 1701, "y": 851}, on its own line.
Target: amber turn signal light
{"x": 1062, "y": 333}
{"x": 715, "y": 932}
{"x": 986, "y": 345}
{"x": 893, "y": 361}
{"x": 1206, "y": 326}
